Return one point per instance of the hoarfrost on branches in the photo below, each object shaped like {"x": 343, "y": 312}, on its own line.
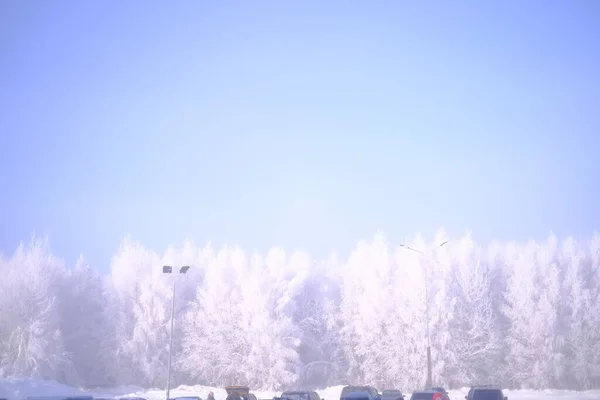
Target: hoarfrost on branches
{"x": 525, "y": 315}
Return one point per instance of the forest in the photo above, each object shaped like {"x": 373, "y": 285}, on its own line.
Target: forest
{"x": 523, "y": 315}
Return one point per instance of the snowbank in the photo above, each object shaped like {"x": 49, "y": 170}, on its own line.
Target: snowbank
{"x": 19, "y": 389}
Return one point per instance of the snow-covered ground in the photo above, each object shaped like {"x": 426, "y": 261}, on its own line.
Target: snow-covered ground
{"x": 19, "y": 389}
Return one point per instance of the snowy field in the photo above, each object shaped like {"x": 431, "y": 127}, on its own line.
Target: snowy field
{"x": 19, "y": 389}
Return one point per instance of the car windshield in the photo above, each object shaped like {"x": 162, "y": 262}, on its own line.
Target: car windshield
{"x": 357, "y": 396}
{"x": 353, "y": 389}
{"x": 421, "y": 396}
{"x": 487, "y": 394}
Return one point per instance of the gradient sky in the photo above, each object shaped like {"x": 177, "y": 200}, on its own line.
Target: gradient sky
{"x": 305, "y": 124}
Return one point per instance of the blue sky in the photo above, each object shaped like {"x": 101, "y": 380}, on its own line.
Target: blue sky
{"x": 303, "y": 124}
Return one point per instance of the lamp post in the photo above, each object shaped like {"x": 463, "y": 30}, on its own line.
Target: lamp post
{"x": 428, "y": 383}
{"x": 168, "y": 270}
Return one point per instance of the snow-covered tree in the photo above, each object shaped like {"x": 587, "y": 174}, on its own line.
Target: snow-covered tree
{"x": 522, "y": 315}
{"x": 31, "y": 340}
{"x": 473, "y": 340}
{"x": 550, "y": 362}
{"x": 215, "y": 344}
{"x": 143, "y": 324}
{"x": 283, "y": 282}
{"x": 524, "y": 331}
{"x": 413, "y": 294}
{"x": 581, "y": 297}
{"x": 85, "y": 326}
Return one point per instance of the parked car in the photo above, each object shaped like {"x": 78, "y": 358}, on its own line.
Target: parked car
{"x": 360, "y": 396}
{"x": 186, "y": 398}
{"x": 485, "y": 392}
{"x": 300, "y": 395}
{"x": 239, "y": 392}
{"x": 429, "y": 394}
{"x": 370, "y": 392}
{"x": 74, "y": 397}
{"x": 445, "y": 395}
{"x": 392, "y": 394}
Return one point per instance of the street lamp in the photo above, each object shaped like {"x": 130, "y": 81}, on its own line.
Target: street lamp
{"x": 168, "y": 270}
{"x": 428, "y": 383}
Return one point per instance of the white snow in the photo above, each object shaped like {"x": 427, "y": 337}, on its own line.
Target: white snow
{"x": 16, "y": 388}
{"x": 20, "y": 389}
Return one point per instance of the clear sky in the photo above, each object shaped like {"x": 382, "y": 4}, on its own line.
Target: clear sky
{"x": 306, "y": 124}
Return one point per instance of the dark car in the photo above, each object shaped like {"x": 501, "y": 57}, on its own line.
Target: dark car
{"x": 360, "y": 396}
{"x": 445, "y": 395}
{"x": 300, "y": 395}
{"x": 427, "y": 395}
{"x": 186, "y": 398}
{"x": 392, "y": 394}
{"x": 75, "y": 397}
{"x": 355, "y": 392}
{"x": 485, "y": 393}
{"x": 236, "y": 392}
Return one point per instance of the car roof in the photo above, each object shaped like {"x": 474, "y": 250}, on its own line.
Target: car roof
{"x": 77, "y": 397}
{"x": 358, "y": 395}
{"x": 293, "y": 392}
{"x": 184, "y": 397}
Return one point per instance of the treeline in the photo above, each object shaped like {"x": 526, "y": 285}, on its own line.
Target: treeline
{"x": 519, "y": 315}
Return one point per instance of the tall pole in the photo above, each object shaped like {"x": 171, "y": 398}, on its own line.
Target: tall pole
{"x": 429, "y": 380}
{"x": 171, "y": 341}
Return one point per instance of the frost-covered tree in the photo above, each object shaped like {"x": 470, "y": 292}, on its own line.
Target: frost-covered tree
{"x": 285, "y": 279}
{"x": 524, "y": 330}
{"x": 438, "y": 267}
{"x": 522, "y": 315}
{"x": 533, "y": 298}
{"x": 473, "y": 340}
{"x": 360, "y": 314}
{"x": 312, "y": 301}
{"x": 580, "y": 298}
{"x": 143, "y": 296}
{"x": 499, "y": 274}
{"x": 591, "y": 321}
{"x": 408, "y": 333}
{"x": 215, "y": 345}
{"x": 31, "y": 340}
{"x": 332, "y": 369}
{"x": 86, "y": 328}
{"x": 551, "y": 339}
